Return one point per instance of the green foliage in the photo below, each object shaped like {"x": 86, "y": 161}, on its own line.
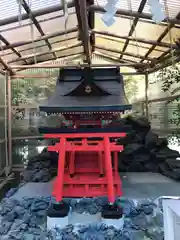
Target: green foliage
{"x": 169, "y": 76}
{"x": 131, "y": 87}
{"x": 28, "y": 91}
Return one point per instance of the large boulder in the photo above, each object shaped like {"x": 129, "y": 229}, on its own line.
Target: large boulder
{"x": 170, "y": 173}
{"x": 166, "y": 153}
{"x": 173, "y": 163}
{"x": 151, "y": 140}
{"x": 140, "y": 124}
{"x": 133, "y": 148}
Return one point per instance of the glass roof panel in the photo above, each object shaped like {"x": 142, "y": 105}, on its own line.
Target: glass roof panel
{"x": 30, "y": 46}
{"x": 6, "y": 52}
{"x": 173, "y": 34}
{"x": 105, "y": 42}
{"x": 44, "y": 57}
{"x": 9, "y": 9}
{"x": 55, "y": 15}
{"x": 64, "y": 44}
{"x": 148, "y": 31}
{"x": 64, "y": 37}
{"x": 125, "y": 4}
{"x": 59, "y": 24}
{"x": 36, "y": 5}
{"x": 37, "y": 50}
{"x": 173, "y": 6}
{"x": 161, "y": 49}
{"x": 108, "y": 53}
{"x": 73, "y": 51}
{"x": 21, "y": 34}
{"x": 15, "y": 25}
{"x": 121, "y": 25}
{"x": 17, "y": 63}
{"x": 155, "y": 54}
{"x": 10, "y": 57}
{"x": 136, "y": 49}
{"x": 131, "y": 59}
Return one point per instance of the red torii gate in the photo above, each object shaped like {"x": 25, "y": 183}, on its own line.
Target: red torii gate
{"x": 86, "y": 167}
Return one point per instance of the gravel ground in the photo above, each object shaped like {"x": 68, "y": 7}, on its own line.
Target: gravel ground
{"x": 26, "y": 220}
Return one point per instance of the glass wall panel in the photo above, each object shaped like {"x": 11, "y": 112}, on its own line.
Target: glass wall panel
{"x": 32, "y": 87}
{"x": 27, "y": 94}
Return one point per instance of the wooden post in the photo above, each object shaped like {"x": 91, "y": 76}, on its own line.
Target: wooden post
{"x": 109, "y": 172}
{"x": 146, "y": 95}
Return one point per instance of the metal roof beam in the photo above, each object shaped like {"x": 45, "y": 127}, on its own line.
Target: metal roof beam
{"x": 167, "y": 63}
{"x": 45, "y": 37}
{"x": 132, "y": 14}
{"x": 36, "y": 13}
{"x": 48, "y": 52}
{"x": 81, "y": 11}
{"x": 34, "y": 20}
{"x": 165, "y": 32}
{"x": 126, "y": 53}
{"x": 132, "y": 29}
{"x": 6, "y": 66}
{"x": 6, "y": 42}
{"x": 109, "y": 58}
{"x": 23, "y": 67}
{"x": 40, "y": 45}
{"x": 141, "y": 40}
{"x": 91, "y": 23}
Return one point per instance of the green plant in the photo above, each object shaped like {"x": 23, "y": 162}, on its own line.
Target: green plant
{"x": 131, "y": 87}
{"x": 170, "y": 78}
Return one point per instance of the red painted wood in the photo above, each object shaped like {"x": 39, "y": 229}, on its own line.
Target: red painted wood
{"x": 89, "y": 171}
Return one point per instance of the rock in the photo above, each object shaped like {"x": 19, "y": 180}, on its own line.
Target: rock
{"x": 127, "y": 139}
{"x": 133, "y": 148}
{"x": 152, "y": 166}
{"x": 136, "y": 167}
{"x": 172, "y": 163}
{"x": 162, "y": 142}
{"x": 148, "y": 210}
{"x": 140, "y": 124}
{"x": 140, "y": 137}
{"x": 167, "y": 153}
{"x": 11, "y": 192}
{"x": 166, "y": 171}
{"x": 155, "y": 234}
{"x": 140, "y": 222}
{"x": 151, "y": 140}
{"x": 141, "y": 158}
{"x": 5, "y": 227}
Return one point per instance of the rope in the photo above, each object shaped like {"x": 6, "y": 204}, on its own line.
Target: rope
{"x": 32, "y": 30}
{"x": 169, "y": 32}
{"x": 131, "y": 24}
{"x": 19, "y": 2}
{"x": 66, "y": 16}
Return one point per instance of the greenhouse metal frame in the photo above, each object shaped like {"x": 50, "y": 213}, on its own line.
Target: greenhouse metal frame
{"x": 138, "y": 43}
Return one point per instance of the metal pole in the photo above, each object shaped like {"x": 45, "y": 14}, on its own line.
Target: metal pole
{"x": 146, "y": 94}
{"x": 5, "y": 125}
{"x": 9, "y": 115}
{"x": 49, "y": 76}
{"x": 74, "y": 65}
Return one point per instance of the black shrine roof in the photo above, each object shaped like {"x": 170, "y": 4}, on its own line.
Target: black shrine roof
{"x": 88, "y": 90}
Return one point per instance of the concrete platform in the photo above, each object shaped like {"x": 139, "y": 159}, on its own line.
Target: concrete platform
{"x": 145, "y": 185}
{"x": 135, "y": 185}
